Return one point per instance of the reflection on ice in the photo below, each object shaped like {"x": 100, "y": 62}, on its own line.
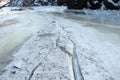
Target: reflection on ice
{"x": 100, "y": 19}
{"x": 107, "y": 26}
{"x": 8, "y": 22}
{"x": 10, "y": 42}
{"x": 97, "y": 16}
{"x": 106, "y": 23}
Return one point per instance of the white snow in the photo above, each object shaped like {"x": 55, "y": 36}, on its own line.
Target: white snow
{"x": 119, "y": 3}
{"x": 112, "y": 2}
{"x": 97, "y": 38}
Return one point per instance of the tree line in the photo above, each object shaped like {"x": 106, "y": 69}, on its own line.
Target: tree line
{"x": 91, "y": 4}
{"x": 71, "y": 4}
{"x": 32, "y": 2}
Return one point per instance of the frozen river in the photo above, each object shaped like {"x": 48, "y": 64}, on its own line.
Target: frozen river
{"x": 97, "y": 37}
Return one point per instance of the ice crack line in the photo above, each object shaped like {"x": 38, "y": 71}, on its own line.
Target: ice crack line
{"x": 75, "y": 63}
{"x": 32, "y": 73}
{"x": 62, "y": 48}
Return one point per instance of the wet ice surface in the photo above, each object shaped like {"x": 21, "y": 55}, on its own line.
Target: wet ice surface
{"x": 100, "y": 17}
{"x": 107, "y": 26}
{"x": 97, "y": 38}
{"x": 15, "y": 29}
{"x": 98, "y": 44}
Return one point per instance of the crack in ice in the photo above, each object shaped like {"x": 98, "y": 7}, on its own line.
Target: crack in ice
{"x": 75, "y": 63}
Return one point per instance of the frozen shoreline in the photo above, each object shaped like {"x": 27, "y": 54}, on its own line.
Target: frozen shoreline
{"x": 97, "y": 48}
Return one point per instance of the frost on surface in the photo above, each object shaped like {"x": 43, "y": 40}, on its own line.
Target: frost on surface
{"x": 47, "y": 55}
{"x": 40, "y": 59}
